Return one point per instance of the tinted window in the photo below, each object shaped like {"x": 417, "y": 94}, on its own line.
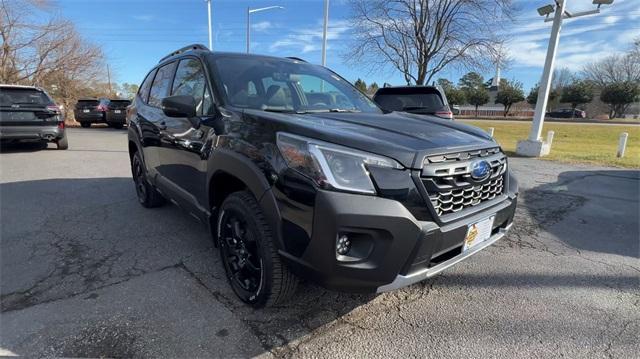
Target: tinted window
{"x": 13, "y": 96}
{"x": 190, "y": 81}
{"x": 429, "y": 102}
{"x": 143, "y": 92}
{"x": 161, "y": 85}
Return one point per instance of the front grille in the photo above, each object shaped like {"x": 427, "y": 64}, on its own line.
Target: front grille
{"x": 449, "y": 185}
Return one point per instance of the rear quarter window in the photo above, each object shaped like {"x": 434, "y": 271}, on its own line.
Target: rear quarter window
{"x": 143, "y": 91}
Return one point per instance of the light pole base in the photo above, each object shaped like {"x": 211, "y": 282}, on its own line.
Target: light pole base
{"x": 530, "y": 148}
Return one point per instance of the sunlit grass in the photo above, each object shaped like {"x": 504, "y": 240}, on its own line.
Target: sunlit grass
{"x": 574, "y": 142}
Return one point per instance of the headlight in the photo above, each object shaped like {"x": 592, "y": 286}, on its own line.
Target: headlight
{"x": 331, "y": 165}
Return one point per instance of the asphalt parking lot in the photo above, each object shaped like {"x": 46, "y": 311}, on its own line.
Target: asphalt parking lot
{"x": 86, "y": 271}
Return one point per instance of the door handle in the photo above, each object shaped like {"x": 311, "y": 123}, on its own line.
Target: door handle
{"x": 162, "y": 125}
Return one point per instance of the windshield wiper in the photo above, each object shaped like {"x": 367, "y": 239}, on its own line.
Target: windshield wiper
{"x": 329, "y": 110}
{"x": 343, "y": 110}
{"x": 281, "y": 110}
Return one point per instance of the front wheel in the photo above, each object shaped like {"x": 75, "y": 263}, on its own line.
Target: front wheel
{"x": 252, "y": 264}
{"x": 85, "y": 124}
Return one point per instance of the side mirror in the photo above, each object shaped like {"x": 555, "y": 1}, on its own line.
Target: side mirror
{"x": 179, "y": 106}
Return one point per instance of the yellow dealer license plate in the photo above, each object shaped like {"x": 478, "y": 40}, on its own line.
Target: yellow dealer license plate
{"x": 478, "y": 233}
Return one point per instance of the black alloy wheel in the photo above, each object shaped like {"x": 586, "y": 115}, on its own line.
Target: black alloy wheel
{"x": 240, "y": 254}
{"x": 251, "y": 261}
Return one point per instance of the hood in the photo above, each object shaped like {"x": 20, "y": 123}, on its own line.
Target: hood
{"x": 404, "y": 137}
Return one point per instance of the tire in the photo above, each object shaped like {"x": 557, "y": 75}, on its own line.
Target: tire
{"x": 63, "y": 143}
{"x": 147, "y": 194}
{"x": 247, "y": 250}
{"x": 85, "y": 124}
{"x": 117, "y": 126}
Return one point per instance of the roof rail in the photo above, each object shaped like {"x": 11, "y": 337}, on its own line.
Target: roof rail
{"x": 295, "y": 58}
{"x": 185, "y": 49}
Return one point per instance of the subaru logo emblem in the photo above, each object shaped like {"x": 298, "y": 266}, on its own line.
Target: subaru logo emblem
{"x": 480, "y": 170}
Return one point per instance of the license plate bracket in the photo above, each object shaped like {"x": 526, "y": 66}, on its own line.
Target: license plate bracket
{"x": 478, "y": 232}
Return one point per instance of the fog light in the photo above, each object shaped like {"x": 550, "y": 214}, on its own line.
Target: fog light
{"x": 343, "y": 245}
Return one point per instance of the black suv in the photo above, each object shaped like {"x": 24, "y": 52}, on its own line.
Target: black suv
{"x": 421, "y": 100}
{"x": 29, "y": 113}
{"x": 115, "y": 115}
{"x": 91, "y": 110}
{"x": 296, "y": 171}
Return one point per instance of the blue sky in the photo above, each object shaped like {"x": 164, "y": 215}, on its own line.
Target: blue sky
{"x": 135, "y": 34}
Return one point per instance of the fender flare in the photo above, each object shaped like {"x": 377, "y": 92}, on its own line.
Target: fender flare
{"x": 245, "y": 170}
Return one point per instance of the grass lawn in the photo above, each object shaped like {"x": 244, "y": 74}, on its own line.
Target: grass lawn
{"x": 583, "y": 143}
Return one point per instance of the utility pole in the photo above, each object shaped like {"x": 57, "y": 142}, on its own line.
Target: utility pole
{"x": 534, "y": 146}
{"x": 324, "y": 33}
{"x": 209, "y": 12}
{"x": 109, "y": 79}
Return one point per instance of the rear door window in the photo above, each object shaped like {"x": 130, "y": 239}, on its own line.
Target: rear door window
{"x": 161, "y": 84}
{"x": 23, "y": 97}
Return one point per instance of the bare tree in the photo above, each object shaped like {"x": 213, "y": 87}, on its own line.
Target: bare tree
{"x": 421, "y": 37}
{"x": 48, "y": 53}
{"x": 615, "y": 68}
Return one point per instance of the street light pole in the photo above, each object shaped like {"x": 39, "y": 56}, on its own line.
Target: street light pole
{"x": 210, "y": 37}
{"x": 324, "y": 33}
{"x": 547, "y": 73}
{"x": 251, "y": 11}
{"x": 248, "y": 29}
{"x": 534, "y": 146}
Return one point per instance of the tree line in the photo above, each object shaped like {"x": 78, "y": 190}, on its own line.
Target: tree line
{"x": 616, "y": 80}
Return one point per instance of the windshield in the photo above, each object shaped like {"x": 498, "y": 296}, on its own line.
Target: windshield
{"x": 14, "y": 96}
{"x": 277, "y": 85}
{"x": 418, "y": 102}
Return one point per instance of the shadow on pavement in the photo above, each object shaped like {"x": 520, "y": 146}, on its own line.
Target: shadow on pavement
{"x": 596, "y": 211}
{"x": 25, "y": 146}
{"x": 67, "y": 240}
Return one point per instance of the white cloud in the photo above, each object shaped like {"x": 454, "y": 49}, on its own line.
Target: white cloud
{"x": 262, "y": 26}
{"x": 309, "y": 39}
{"x": 581, "y": 41}
{"x": 626, "y": 37}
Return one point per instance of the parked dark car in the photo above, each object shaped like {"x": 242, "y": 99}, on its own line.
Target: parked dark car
{"x": 299, "y": 174}
{"x": 88, "y": 111}
{"x": 116, "y": 114}
{"x": 29, "y": 113}
{"x": 566, "y": 113}
{"x": 421, "y": 100}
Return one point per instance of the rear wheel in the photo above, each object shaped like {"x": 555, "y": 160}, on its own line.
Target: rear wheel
{"x": 148, "y": 196}
{"x": 85, "y": 124}
{"x": 63, "y": 143}
{"x": 252, "y": 264}
{"x": 117, "y": 126}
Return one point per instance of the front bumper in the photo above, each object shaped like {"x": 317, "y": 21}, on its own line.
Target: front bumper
{"x": 392, "y": 248}
{"x": 48, "y": 133}
{"x": 405, "y": 280}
